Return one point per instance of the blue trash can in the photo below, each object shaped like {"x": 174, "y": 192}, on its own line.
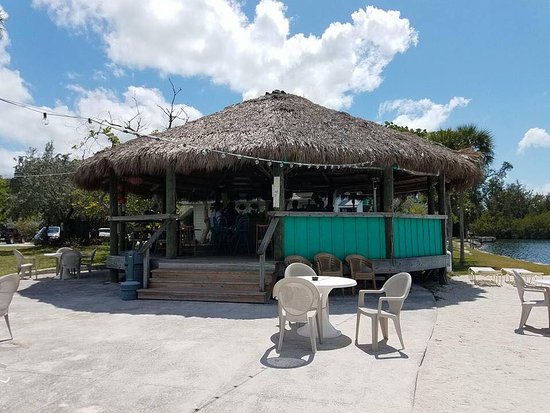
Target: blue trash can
{"x": 133, "y": 267}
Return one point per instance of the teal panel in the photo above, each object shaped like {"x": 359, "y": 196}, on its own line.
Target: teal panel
{"x": 417, "y": 237}
{"x": 399, "y": 238}
{"x": 289, "y": 234}
{"x": 434, "y": 239}
{"x": 350, "y": 238}
{"x": 325, "y": 234}
{"x": 341, "y": 236}
{"x": 338, "y": 237}
{"x": 313, "y": 235}
{"x": 361, "y": 233}
{"x": 376, "y": 238}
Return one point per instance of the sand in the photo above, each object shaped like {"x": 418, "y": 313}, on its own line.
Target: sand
{"x": 477, "y": 360}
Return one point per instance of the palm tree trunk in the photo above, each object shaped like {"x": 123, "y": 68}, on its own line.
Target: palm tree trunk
{"x": 449, "y": 223}
{"x": 461, "y": 223}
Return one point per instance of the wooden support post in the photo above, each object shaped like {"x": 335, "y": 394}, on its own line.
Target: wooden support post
{"x": 387, "y": 206}
{"x": 441, "y": 208}
{"x": 171, "y": 229}
{"x": 431, "y": 195}
{"x": 122, "y": 239}
{"x": 113, "y": 210}
{"x": 278, "y": 239}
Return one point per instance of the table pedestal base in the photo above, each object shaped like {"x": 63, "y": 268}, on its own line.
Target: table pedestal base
{"x": 329, "y": 331}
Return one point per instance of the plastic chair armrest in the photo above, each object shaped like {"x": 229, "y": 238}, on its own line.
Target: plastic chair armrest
{"x": 382, "y": 299}
{"x": 361, "y": 295}
{"x": 535, "y": 289}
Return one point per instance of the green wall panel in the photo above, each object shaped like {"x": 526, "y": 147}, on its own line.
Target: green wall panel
{"x": 417, "y": 237}
{"x": 308, "y": 235}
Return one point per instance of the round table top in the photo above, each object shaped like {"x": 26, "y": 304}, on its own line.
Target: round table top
{"x": 331, "y": 282}
{"x": 53, "y": 254}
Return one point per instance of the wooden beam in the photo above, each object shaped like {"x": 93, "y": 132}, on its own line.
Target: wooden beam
{"x": 113, "y": 210}
{"x": 278, "y": 250}
{"x": 441, "y": 207}
{"x": 387, "y": 205}
{"x": 171, "y": 229}
{"x": 431, "y": 195}
{"x": 387, "y": 190}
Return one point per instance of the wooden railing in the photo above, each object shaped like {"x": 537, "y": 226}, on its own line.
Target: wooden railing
{"x": 263, "y": 247}
{"x": 146, "y": 248}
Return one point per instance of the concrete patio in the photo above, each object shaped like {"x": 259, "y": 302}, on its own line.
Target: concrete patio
{"x": 78, "y": 347}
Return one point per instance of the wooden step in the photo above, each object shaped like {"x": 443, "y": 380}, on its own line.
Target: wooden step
{"x": 178, "y": 284}
{"x": 203, "y": 295}
{"x": 196, "y": 275}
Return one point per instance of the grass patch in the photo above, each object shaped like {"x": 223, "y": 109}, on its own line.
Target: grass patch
{"x": 7, "y": 259}
{"x": 476, "y": 258}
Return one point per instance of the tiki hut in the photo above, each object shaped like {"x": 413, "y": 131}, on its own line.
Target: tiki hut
{"x": 277, "y": 127}
{"x": 280, "y": 144}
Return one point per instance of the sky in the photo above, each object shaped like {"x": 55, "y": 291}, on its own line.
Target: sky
{"x": 423, "y": 64}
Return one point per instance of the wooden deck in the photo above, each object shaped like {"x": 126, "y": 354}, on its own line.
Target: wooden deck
{"x": 222, "y": 279}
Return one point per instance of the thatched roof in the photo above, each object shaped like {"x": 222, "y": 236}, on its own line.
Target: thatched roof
{"x": 277, "y": 126}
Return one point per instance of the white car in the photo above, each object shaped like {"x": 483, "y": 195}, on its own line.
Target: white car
{"x": 104, "y": 233}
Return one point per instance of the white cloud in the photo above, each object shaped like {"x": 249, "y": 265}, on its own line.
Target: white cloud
{"x": 214, "y": 38}
{"x": 534, "y": 138}
{"x": 21, "y": 129}
{"x": 545, "y": 189}
{"x": 423, "y": 114}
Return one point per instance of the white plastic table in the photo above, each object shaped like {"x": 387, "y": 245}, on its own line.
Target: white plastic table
{"x": 325, "y": 285}
{"x": 485, "y": 271}
{"x": 57, "y": 256}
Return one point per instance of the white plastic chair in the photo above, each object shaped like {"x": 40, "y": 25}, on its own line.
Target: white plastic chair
{"x": 25, "y": 264}
{"x": 70, "y": 261}
{"x": 8, "y": 287}
{"x": 297, "y": 269}
{"x": 88, "y": 261}
{"x": 299, "y": 301}
{"x": 527, "y": 305}
{"x": 397, "y": 289}
{"x": 58, "y": 260}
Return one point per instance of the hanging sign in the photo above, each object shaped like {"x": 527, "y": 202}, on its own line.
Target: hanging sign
{"x": 276, "y": 191}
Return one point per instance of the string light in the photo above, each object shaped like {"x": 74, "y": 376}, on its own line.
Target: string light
{"x": 223, "y": 154}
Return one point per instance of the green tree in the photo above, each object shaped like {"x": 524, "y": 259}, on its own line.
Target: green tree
{"x": 4, "y": 193}
{"x": 42, "y": 185}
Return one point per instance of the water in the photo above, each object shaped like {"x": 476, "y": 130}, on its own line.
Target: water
{"x": 523, "y": 249}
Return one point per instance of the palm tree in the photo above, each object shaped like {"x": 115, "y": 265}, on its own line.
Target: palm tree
{"x": 466, "y": 136}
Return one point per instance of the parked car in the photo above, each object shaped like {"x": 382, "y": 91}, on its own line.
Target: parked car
{"x": 47, "y": 233}
{"x": 104, "y": 233}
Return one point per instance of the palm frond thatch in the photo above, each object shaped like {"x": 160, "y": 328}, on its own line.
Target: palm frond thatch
{"x": 278, "y": 126}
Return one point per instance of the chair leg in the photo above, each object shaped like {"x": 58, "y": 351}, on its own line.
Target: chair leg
{"x": 357, "y": 327}
{"x": 525, "y": 311}
{"x": 282, "y": 323}
{"x": 397, "y": 324}
{"x": 6, "y": 318}
{"x": 384, "y": 327}
{"x": 312, "y": 335}
{"x": 319, "y": 323}
{"x": 374, "y": 323}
